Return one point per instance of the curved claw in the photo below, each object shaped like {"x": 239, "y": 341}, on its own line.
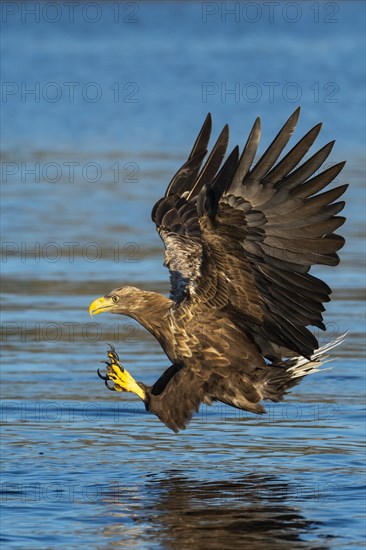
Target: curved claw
{"x": 111, "y": 388}
{"x": 101, "y": 375}
{"x": 113, "y": 354}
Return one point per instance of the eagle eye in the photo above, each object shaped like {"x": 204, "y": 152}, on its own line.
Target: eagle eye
{"x": 115, "y": 299}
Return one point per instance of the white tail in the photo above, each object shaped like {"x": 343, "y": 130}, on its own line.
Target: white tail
{"x": 300, "y": 366}
{"x": 280, "y": 377}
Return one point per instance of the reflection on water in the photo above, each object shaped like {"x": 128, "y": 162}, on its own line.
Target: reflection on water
{"x": 254, "y": 510}
{"x": 83, "y": 467}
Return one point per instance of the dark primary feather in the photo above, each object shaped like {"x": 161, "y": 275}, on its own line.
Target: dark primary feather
{"x": 188, "y": 172}
{"x": 247, "y": 156}
{"x": 211, "y": 165}
{"x": 268, "y": 159}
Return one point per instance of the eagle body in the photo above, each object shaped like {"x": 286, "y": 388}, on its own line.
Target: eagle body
{"x": 240, "y": 239}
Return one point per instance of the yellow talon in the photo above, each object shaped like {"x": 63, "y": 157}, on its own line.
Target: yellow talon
{"x": 121, "y": 378}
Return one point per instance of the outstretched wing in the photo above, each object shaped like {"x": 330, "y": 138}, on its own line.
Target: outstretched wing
{"x": 243, "y": 239}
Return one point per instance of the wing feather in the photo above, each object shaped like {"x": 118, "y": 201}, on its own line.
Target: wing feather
{"x": 292, "y": 159}
{"x": 247, "y": 156}
{"x": 307, "y": 169}
{"x": 188, "y": 172}
{"x": 212, "y": 164}
{"x": 268, "y": 159}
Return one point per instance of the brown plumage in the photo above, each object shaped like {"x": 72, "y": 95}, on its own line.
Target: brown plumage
{"x": 239, "y": 243}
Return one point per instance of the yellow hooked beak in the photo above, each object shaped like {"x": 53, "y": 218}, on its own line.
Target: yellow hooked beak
{"x": 99, "y": 305}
